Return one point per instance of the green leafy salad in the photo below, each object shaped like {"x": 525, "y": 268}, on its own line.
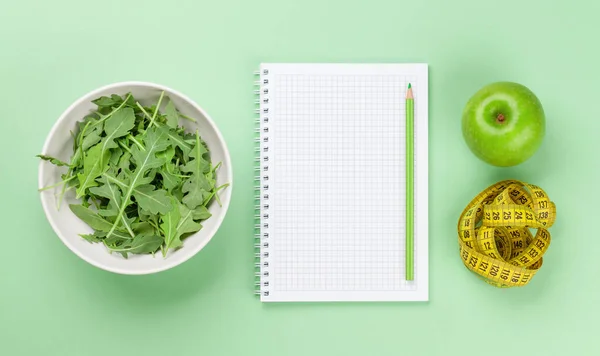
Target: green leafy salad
{"x": 144, "y": 183}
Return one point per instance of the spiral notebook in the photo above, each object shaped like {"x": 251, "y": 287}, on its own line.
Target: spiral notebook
{"x": 331, "y": 182}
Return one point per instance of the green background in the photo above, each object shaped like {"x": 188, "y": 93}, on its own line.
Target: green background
{"x": 51, "y": 302}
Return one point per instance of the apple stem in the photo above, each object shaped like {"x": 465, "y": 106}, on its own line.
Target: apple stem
{"x": 500, "y": 118}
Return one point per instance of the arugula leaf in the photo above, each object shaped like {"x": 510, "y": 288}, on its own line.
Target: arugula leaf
{"x": 113, "y": 194}
{"x": 167, "y": 155}
{"x": 154, "y": 201}
{"x": 101, "y": 236}
{"x": 114, "y": 242}
{"x": 143, "y": 228}
{"x": 186, "y": 222}
{"x": 91, "y": 218}
{"x": 140, "y": 244}
{"x": 195, "y": 193}
{"x": 201, "y": 213}
{"x": 95, "y": 163}
{"x": 93, "y": 238}
{"x": 119, "y": 123}
{"x": 116, "y": 126}
{"x": 112, "y": 112}
{"x": 172, "y": 115}
{"x": 115, "y": 156}
{"x": 151, "y": 199}
{"x": 90, "y": 133}
{"x": 176, "y": 223}
{"x": 53, "y": 160}
{"x": 177, "y": 193}
{"x": 104, "y": 101}
{"x": 170, "y": 177}
{"x": 197, "y": 186}
{"x": 124, "y": 162}
{"x": 179, "y": 141}
{"x": 169, "y": 227}
{"x": 91, "y": 139}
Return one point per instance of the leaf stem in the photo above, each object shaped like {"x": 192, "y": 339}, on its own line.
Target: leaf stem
{"x": 57, "y": 184}
{"x": 112, "y": 112}
{"x": 83, "y": 133}
{"x": 64, "y": 190}
{"x": 124, "y": 146}
{"x": 214, "y": 195}
{"x": 153, "y": 225}
{"x": 128, "y": 227}
{"x": 162, "y": 94}
{"x": 53, "y": 160}
{"x": 136, "y": 142}
{"x": 95, "y": 204}
{"x": 146, "y": 113}
{"x": 115, "y": 180}
{"x": 72, "y": 164}
{"x": 186, "y": 117}
{"x": 217, "y": 195}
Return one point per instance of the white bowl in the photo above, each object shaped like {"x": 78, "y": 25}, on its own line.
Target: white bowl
{"x": 67, "y": 226}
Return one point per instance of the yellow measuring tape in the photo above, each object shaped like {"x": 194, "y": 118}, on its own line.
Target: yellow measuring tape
{"x": 494, "y": 232}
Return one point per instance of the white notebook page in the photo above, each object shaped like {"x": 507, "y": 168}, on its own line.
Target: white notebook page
{"x": 337, "y": 182}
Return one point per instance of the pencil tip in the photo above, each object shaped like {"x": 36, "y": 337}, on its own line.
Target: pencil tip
{"x": 409, "y": 86}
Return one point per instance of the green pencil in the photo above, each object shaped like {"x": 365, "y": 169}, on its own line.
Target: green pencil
{"x": 409, "y": 182}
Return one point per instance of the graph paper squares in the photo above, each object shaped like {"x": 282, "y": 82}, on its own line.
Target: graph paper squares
{"x": 338, "y": 147}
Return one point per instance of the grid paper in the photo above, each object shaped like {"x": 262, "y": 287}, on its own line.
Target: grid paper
{"x": 338, "y": 181}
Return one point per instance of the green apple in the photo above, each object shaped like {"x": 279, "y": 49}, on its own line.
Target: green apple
{"x": 504, "y": 124}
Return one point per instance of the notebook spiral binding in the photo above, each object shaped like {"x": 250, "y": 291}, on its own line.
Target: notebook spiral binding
{"x": 261, "y": 184}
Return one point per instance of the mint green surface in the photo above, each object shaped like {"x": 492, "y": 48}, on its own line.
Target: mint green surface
{"x": 53, "y": 303}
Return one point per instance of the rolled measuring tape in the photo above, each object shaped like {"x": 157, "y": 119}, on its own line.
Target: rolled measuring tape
{"x": 494, "y": 233}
